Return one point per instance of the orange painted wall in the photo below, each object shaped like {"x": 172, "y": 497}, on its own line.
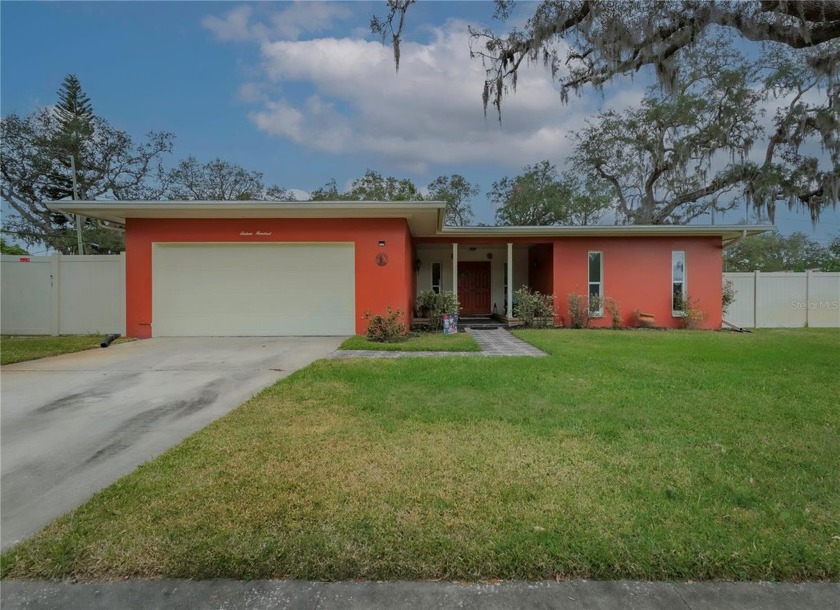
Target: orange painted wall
{"x": 637, "y": 273}
{"x": 376, "y": 287}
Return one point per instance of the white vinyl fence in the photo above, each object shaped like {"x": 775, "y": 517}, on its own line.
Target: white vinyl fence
{"x": 62, "y": 295}
{"x": 780, "y": 300}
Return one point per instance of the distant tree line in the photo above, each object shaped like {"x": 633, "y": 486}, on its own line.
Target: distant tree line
{"x": 776, "y": 252}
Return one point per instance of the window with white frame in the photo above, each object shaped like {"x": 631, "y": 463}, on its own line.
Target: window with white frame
{"x": 678, "y": 282}
{"x": 506, "y": 287}
{"x": 596, "y": 284}
{"x": 436, "y": 277}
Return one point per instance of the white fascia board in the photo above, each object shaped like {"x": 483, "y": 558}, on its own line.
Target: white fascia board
{"x": 424, "y": 217}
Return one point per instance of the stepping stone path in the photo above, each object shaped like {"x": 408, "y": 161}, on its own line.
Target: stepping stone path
{"x": 495, "y": 342}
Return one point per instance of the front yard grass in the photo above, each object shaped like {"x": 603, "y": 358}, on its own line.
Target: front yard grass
{"x": 660, "y": 455}
{"x": 16, "y": 348}
{"x": 419, "y": 342}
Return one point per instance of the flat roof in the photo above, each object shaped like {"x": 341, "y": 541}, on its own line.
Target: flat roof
{"x": 424, "y": 218}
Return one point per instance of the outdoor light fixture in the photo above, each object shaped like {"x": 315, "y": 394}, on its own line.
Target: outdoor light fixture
{"x": 417, "y": 265}
{"x": 381, "y": 243}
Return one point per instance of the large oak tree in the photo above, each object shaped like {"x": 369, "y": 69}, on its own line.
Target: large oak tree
{"x": 589, "y": 42}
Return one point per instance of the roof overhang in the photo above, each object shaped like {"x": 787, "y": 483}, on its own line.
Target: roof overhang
{"x": 425, "y": 219}
{"x": 726, "y": 232}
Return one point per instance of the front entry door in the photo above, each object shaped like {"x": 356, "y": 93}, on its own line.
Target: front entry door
{"x": 474, "y": 287}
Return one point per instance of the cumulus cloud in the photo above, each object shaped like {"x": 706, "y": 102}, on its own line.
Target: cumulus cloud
{"x": 242, "y": 24}
{"x": 428, "y": 113}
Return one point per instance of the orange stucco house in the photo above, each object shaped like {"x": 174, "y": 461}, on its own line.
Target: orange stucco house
{"x": 223, "y": 268}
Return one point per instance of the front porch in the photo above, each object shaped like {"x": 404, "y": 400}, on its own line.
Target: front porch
{"x": 484, "y": 276}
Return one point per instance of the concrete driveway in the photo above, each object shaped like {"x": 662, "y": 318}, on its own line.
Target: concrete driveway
{"x": 73, "y": 424}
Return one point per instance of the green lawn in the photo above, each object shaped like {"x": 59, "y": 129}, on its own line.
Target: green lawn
{"x": 641, "y": 455}
{"x": 421, "y": 342}
{"x": 15, "y": 348}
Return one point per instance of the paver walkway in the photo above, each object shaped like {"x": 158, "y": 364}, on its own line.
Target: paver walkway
{"x": 500, "y": 342}
{"x": 494, "y": 342}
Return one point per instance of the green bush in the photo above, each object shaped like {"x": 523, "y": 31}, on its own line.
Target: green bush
{"x": 728, "y": 295}
{"x": 437, "y": 304}
{"x": 692, "y": 315}
{"x": 613, "y": 308}
{"x": 578, "y": 310}
{"x": 386, "y": 329}
{"x": 533, "y": 309}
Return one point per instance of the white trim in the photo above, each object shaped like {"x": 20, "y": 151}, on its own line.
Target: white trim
{"x": 675, "y": 312}
{"x": 425, "y": 219}
{"x": 600, "y": 282}
{"x": 455, "y": 269}
{"x": 509, "y": 280}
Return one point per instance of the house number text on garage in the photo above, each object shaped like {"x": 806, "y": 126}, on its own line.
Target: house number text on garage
{"x": 247, "y": 233}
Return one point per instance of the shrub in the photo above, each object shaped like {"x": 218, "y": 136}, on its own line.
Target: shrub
{"x": 437, "y": 304}
{"x": 729, "y": 293}
{"x": 534, "y": 310}
{"x": 425, "y": 301}
{"x": 386, "y": 329}
{"x": 578, "y": 310}
{"x": 693, "y": 316}
{"x": 613, "y": 308}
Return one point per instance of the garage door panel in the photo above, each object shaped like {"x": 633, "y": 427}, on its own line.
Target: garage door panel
{"x": 253, "y": 289}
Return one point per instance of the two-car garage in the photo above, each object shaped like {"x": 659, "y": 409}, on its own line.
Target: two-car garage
{"x": 253, "y": 289}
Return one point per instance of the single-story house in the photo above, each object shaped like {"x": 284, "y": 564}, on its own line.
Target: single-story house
{"x": 227, "y": 268}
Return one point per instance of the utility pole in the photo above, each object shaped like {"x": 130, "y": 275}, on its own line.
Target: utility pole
{"x": 79, "y": 221}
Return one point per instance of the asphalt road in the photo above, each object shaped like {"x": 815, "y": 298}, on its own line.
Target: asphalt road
{"x": 73, "y": 424}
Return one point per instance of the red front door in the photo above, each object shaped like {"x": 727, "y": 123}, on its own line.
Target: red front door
{"x": 474, "y": 287}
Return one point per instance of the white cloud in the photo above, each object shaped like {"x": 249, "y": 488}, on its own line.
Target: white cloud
{"x": 241, "y": 24}
{"x": 235, "y": 26}
{"x": 430, "y": 112}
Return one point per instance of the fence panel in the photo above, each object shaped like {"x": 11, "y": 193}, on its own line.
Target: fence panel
{"x": 776, "y": 295}
{"x": 824, "y": 300}
{"x": 742, "y": 310}
{"x": 785, "y": 300}
{"x": 26, "y": 295}
{"x": 92, "y": 290}
{"x": 67, "y": 295}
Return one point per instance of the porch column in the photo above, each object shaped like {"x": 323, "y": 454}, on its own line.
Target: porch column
{"x": 455, "y": 269}
{"x": 510, "y": 281}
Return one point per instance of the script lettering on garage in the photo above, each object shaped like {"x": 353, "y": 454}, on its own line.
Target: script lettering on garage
{"x": 249, "y": 233}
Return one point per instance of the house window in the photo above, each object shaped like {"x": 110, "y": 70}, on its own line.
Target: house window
{"x": 506, "y": 287}
{"x": 678, "y": 283}
{"x": 436, "y": 276}
{"x": 596, "y": 284}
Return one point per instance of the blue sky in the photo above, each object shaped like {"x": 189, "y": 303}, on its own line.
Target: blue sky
{"x": 301, "y": 91}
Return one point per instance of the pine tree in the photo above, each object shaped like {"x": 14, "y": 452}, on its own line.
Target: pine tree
{"x": 74, "y": 127}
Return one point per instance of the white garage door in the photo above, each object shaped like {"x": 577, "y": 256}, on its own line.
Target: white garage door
{"x": 217, "y": 290}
